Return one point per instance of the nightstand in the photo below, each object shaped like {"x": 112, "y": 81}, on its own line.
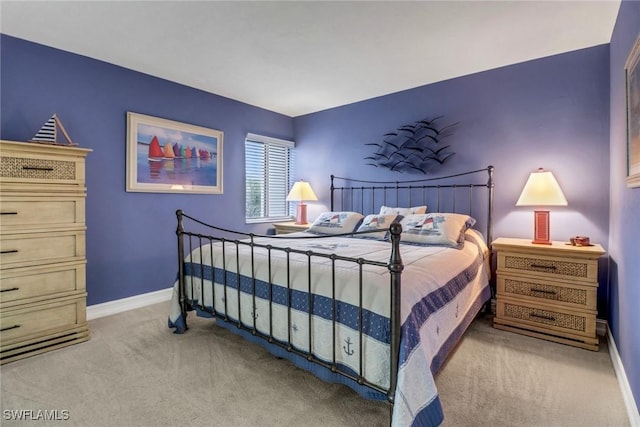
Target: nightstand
{"x": 289, "y": 227}
{"x": 547, "y": 291}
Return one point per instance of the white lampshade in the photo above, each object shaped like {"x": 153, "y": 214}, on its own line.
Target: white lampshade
{"x": 542, "y": 189}
{"x": 301, "y": 191}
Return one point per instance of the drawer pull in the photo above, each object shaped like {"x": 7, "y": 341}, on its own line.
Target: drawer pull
{"x": 540, "y": 316}
{"x": 37, "y": 168}
{"x": 8, "y": 213}
{"x": 9, "y": 327}
{"x": 10, "y": 251}
{"x": 548, "y": 267}
{"x": 542, "y": 291}
{"x": 9, "y": 290}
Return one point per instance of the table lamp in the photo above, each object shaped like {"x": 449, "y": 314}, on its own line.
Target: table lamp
{"x": 541, "y": 189}
{"x": 301, "y": 192}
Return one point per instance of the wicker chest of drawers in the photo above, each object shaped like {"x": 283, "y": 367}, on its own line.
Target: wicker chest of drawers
{"x": 42, "y": 248}
{"x": 547, "y": 291}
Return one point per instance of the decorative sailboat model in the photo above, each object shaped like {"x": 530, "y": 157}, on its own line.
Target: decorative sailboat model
{"x": 48, "y": 133}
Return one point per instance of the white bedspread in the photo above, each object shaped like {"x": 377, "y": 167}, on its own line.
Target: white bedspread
{"x": 442, "y": 290}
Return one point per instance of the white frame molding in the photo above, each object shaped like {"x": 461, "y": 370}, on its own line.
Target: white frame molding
{"x": 180, "y": 133}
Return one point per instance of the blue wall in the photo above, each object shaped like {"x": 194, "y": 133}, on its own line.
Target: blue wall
{"x": 551, "y": 113}
{"x": 624, "y": 208}
{"x": 130, "y": 236}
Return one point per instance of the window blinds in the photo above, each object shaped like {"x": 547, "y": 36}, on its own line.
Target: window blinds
{"x": 268, "y": 175}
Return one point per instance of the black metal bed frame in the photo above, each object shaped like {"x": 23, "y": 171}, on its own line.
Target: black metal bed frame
{"x": 363, "y": 193}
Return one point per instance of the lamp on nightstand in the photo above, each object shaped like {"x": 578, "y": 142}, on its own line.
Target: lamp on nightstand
{"x": 541, "y": 189}
{"x": 301, "y": 192}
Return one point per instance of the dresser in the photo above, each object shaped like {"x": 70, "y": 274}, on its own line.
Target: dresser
{"x": 547, "y": 291}
{"x": 42, "y": 248}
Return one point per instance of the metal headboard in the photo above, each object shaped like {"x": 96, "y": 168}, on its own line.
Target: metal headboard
{"x": 443, "y": 192}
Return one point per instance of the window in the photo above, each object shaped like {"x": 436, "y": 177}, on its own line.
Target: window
{"x": 269, "y": 176}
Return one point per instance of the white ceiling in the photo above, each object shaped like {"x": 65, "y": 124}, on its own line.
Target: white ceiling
{"x": 298, "y": 57}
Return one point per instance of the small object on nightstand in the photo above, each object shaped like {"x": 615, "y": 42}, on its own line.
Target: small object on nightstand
{"x": 289, "y": 227}
{"x": 548, "y": 291}
{"x": 580, "y": 241}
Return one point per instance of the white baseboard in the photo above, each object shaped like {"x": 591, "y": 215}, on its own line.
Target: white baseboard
{"x": 125, "y": 304}
{"x": 625, "y": 387}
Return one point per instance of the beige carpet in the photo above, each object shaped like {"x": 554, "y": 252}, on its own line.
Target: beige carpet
{"x": 135, "y": 372}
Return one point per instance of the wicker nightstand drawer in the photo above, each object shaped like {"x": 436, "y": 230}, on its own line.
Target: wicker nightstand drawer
{"x": 575, "y": 296}
{"x": 540, "y": 265}
{"x": 546, "y": 319}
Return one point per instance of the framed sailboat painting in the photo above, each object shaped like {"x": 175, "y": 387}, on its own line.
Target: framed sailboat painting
{"x": 165, "y": 156}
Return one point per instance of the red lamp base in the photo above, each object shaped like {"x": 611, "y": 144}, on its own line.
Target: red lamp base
{"x": 541, "y": 230}
{"x": 301, "y": 214}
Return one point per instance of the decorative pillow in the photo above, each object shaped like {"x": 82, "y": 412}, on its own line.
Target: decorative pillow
{"x": 336, "y": 223}
{"x": 437, "y": 229}
{"x": 388, "y": 210}
{"x": 377, "y": 222}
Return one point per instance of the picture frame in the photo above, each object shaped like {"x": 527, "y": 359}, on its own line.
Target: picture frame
{"x": 166, "y": 156}
{"x": 632, "y": 80}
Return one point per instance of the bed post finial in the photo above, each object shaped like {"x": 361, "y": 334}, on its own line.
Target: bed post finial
{"x": 395, "y": 269}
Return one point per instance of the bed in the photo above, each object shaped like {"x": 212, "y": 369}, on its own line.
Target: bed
{"x": 373, "y": 295}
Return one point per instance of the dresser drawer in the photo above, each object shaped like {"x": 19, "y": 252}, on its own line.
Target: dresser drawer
{"x": 41, "y": 319}
{"x": 534, "y": 289}
{"x": 19, "y": 285}
{"x": 37, "y": 169}
{"x": 18, "y": 213}
{"x": 29, "y": 163}
{"x": 18, "y": 250}
{"x": 542, "y": 317}
{"x": 573, "y": 269}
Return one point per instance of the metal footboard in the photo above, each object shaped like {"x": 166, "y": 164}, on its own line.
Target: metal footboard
{"x": 199, "y": 269}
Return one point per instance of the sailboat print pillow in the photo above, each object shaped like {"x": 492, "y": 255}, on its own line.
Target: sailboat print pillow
{"x": 375, "y": 222}
{"x": 436, "y": 229}
{"x": 336, "y": 223}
